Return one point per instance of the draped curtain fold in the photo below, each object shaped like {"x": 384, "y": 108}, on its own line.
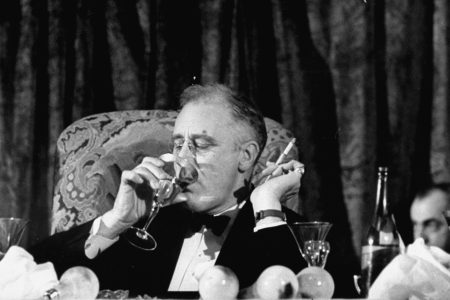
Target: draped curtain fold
{"x": 359, "y": 83}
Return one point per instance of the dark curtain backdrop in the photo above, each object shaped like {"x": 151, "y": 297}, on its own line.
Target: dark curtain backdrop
{"x": 359, "y": 83}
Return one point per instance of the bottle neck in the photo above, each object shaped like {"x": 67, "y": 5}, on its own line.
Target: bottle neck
{"x": 382, "y": 206}
{"x": 383, "y": 230}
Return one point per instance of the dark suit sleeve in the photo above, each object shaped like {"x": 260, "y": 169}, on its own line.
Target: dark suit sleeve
{"x": 278, "y": 246}
{"x": 248, "y": 253}
{"x": 120, "y": 266}
{"x": 64, "y": 249}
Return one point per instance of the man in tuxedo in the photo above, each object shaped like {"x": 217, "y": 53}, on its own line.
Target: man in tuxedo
{"x": 427, "y": 215}
{"x": 224, "y": 135}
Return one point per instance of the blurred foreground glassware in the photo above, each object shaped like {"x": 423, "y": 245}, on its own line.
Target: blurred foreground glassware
{"x": 218, "y": 282}
{"x": 275, "y": 282}
{"x": 186, "y": 174}
{"x": 310, "y": 238}
{"x": 76, "y": 283}
{"x": 11, "y": 232}
{"x": 315, "y": 283}
{"x": 113, "y": 294}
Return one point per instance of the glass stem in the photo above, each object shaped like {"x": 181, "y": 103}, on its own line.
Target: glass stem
{"x": 153, "y": 212}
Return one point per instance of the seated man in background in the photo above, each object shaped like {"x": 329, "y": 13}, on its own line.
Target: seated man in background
{"x": 225, "y": 136}
{"x": 423, "y": 272}
{"x": 427, "y": 215}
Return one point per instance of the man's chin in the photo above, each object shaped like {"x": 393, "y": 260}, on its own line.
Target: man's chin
{"x": 187, "y": 200}
{"x": 192, "y": 206}
{"x": 195, "y": 205}
{"x": 201, "y": 204}
{"x": 182, "y": 197}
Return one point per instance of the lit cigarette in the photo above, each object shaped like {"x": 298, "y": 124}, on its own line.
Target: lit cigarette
{"x": 283, "y": 155}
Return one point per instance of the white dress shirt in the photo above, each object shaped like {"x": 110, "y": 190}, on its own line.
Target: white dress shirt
{"x": 198, "y": 253}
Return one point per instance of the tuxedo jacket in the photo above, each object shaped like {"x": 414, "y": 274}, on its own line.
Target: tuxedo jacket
{"x": 122, "y": 266}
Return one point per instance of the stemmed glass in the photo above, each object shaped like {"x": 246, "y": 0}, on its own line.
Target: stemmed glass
{"x": 11, "y": 232}
{"x": 185, "y": 174}
{"x": 311, "y": 241}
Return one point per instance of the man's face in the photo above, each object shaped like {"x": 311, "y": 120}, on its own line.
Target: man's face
{"x": 428, "y": 220}
{"x": 208, "y": 133}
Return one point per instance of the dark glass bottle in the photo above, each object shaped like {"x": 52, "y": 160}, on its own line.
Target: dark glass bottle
{"x": 382, "y": 242}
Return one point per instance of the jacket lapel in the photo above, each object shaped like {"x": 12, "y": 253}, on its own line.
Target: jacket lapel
{"x": 236, "y": 251}
{"x": 169, "y": 231}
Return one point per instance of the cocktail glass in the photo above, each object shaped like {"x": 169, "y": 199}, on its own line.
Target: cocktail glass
{"x": 11, "y": 232}
{"x": 311, "y": 241}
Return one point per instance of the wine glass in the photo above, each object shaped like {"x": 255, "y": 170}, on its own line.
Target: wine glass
{"x": 11, "y": 232}
{"x": 168, "y": 189}
{"x": 76, "y": 283}
{"x": 310, "y": 238}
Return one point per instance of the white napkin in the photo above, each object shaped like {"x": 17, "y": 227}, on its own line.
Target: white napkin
{"x": 421, "y": 273}
{"x": 22, "y": 278}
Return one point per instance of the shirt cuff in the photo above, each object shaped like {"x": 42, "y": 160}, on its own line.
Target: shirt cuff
{"x": 260, "y": 226}
{"x": 95, "y": 244}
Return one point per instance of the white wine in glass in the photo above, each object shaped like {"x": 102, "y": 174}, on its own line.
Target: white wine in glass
{"x": 165, "y": 194}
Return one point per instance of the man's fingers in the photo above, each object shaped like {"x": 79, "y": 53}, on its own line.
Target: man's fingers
{"x": 167, "y": 157}
{"x": 131, "y": 176}
{"x": 148, "y": 177}
{"x": 156, "y": 170}
{"x": 268, "y": 170}
{"x": 139, "y": 176}
{"x": 151, "y": 169}
{"x": 286, "y": 168}
{"x": 154, "y": 160}
{"x": 293, "y": 166}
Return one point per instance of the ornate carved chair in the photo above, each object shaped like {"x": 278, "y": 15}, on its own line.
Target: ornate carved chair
{"x": 93, "y": 151}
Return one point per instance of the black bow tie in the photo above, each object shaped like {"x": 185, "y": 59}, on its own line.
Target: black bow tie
{"x": 216, "y": 224}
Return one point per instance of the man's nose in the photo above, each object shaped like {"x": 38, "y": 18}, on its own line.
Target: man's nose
{"x": 186, "y": 150}
{"x": 419, "y": 232}
{"x": 425, "y": 238}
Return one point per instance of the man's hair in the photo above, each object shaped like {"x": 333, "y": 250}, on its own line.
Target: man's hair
{"x": 242, "y": 110}
{"x": 427, "y": 190}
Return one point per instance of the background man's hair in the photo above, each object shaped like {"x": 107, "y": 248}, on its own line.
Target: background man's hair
{"x": 427, "y": 190}
{"x": 241, "y": 108}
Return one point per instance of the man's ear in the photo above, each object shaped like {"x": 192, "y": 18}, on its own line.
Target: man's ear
{"x": 249, "y": 153}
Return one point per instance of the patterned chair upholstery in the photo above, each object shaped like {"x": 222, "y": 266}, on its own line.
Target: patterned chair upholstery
{"x": 93, "y": 151}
